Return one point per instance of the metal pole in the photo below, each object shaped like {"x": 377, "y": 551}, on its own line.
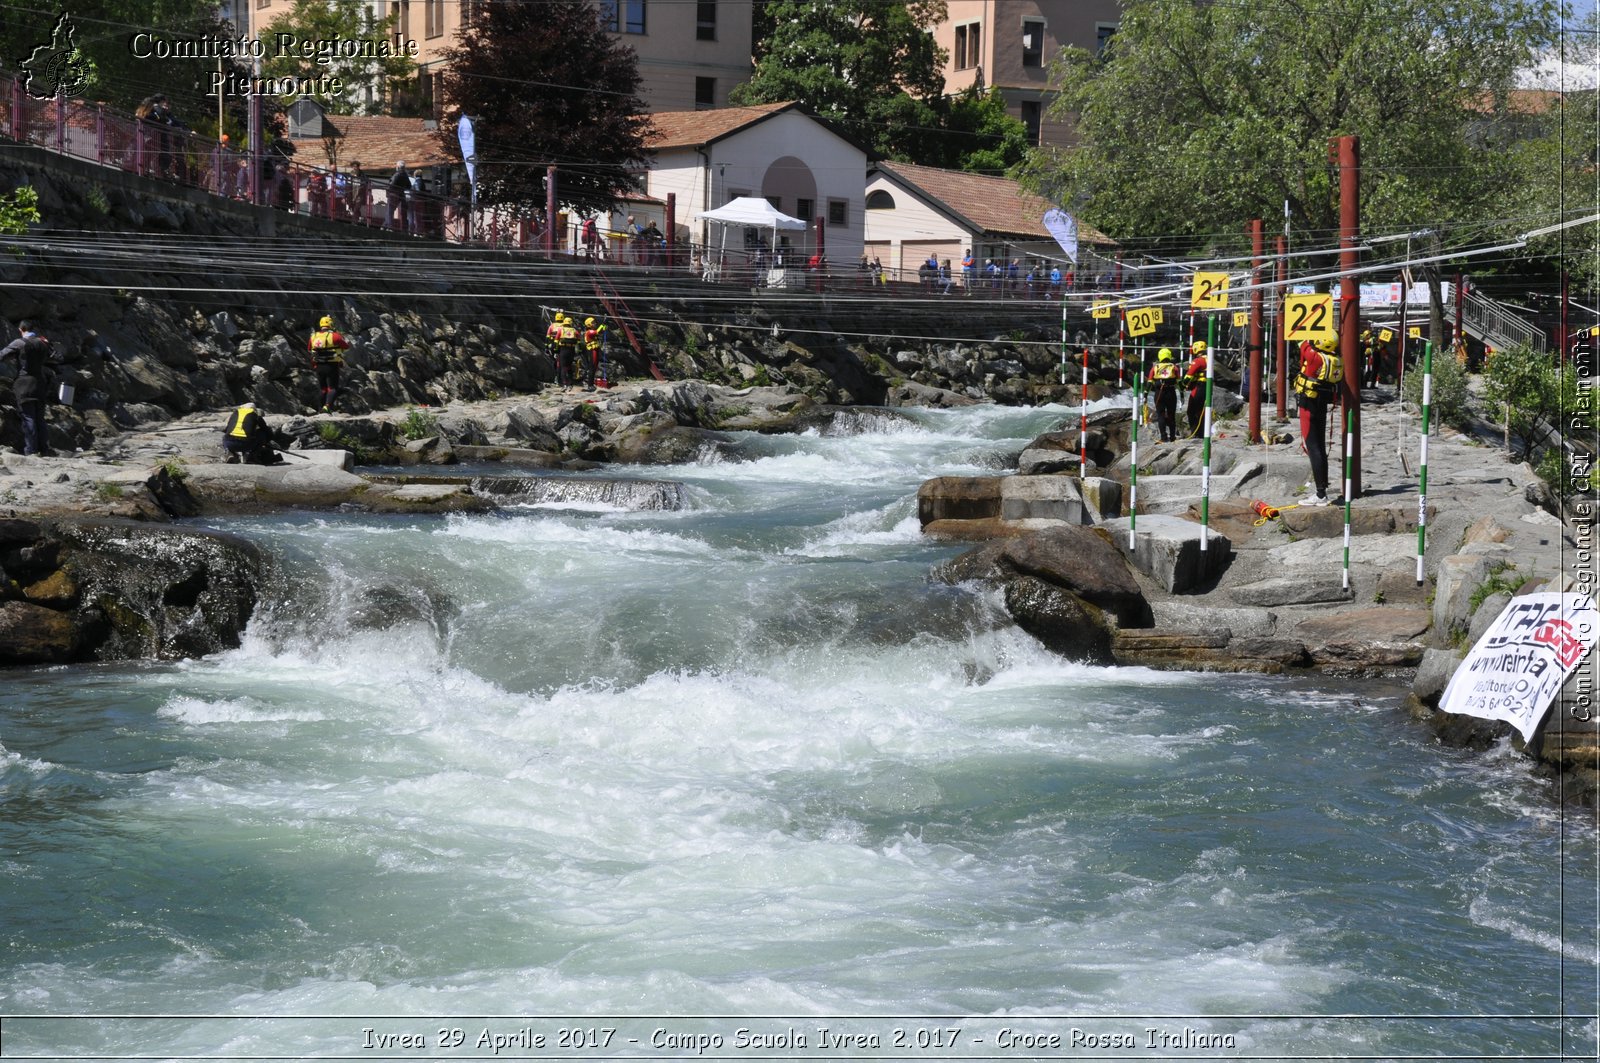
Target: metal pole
{"x": 1349, "y": 449}
{"x": 1083, "y": 420}
{"x": 1133, "y": 451}
{"x": 1257, "y": 242}
{"x": 550, "y": 212}
{"x": 1063, "y": 344}
{"x": 1349, "y": 293}
{"x": 1282, "y": 342}
{"x": 1205, "y": 421}
{"x": 1422, "y": 481}
{"x": 1122, "y": 348}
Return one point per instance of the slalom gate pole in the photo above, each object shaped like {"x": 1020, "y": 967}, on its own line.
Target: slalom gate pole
{"x": 1063, "y": 343}
{"x": 1083, "y": 421}
{"x": 1349, "y": 448}
{"x": 1205, "y": 458}
{"x": 1133, "y": 453}
{"x": 1122, "y": 353}
{"x": 1422, "y": 483}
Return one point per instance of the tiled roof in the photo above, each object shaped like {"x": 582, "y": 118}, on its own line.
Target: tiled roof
{"x": 990, "y": 204}
{"x": 690, "y": 129}
{"x": 377, "y": 142}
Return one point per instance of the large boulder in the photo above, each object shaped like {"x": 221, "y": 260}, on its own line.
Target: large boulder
{"x": 1069, "y": 557}
{"x": 1060, "y": 619}
{"x": 1181, "y": 556}
{"x": 114, "y": 590}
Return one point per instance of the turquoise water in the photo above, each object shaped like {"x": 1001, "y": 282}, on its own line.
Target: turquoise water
{"x": 744, "y": 763}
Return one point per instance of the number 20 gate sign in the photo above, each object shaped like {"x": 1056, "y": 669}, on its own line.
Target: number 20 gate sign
{"x": 1519, "y": 665}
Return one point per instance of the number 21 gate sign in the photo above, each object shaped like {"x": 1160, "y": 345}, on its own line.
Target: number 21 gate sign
{"x": 1517, "y": 668}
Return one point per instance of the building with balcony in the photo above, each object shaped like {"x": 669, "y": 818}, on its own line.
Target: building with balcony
{"x": 1010, "y": 44}
{"x": 690, "y": 54}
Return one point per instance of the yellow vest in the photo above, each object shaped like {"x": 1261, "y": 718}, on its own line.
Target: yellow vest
{"x": 1326, "y": 382}
{"x": 236, "y": 426}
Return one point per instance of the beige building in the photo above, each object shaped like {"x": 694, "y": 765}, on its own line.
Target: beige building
{"x": 917, "y": 212}
{"x": 690, "y": 53}
{"x": 1010, "y": 44}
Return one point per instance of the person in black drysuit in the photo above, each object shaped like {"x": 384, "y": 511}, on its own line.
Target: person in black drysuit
{"x": 33, "y": 353}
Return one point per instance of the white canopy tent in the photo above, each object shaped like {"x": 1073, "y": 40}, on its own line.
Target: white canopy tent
{"x": 753, "y": 212}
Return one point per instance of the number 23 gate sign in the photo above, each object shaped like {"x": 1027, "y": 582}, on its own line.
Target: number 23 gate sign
{"x": 1517, "y": 668}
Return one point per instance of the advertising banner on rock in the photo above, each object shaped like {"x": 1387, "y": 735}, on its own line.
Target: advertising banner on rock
{"x": 1518, "y": 666}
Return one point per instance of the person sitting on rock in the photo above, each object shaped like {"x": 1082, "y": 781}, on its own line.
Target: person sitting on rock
{"x": 247, "y": 438}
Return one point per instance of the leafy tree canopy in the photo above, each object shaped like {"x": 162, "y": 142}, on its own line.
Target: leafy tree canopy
{"x": 870, "y": 66}
{"x": 544, "y": 83}
{"x": 977, "y": 135}
{"x": 1561, "y": 161}
{"x": 128, "y": 49}
{"x": 1201, "y": 116}
{"x": 17, "y": 209}
{"x": 364, "y": 78}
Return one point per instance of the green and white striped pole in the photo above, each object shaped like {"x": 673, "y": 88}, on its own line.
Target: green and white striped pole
{"x": 1422, "y": 483}
{"x": 1133, "y": 453}
{"x": 1349, "y": 448}
{"x": 1063, "y": 343}
{"x": 1205, "y": 457}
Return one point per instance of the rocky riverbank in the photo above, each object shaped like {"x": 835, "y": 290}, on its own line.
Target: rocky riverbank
{"x": 90, "y": 569}
{"x": 1273, "y": 594}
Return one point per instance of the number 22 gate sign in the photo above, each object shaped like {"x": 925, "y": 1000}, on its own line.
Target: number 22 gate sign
{"x": 1519, "y": 665}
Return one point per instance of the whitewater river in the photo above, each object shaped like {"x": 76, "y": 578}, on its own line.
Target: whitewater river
{"x": 736, "y": 781}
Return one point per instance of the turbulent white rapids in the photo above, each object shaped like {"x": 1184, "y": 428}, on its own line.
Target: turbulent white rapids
{"x": 742, "y": 762}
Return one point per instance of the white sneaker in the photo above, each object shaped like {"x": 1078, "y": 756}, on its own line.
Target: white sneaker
{"x": 1317, "y": 500}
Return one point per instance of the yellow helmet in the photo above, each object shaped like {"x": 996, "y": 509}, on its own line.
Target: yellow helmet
{"x": 326, "y": 322}
{"x": 1164, "y": 354}
{"x": 589, "y": 321}
{"x": 1325, "y": 346}
{"x": 562, "y": 319}
{"x": 1198, "y": 347}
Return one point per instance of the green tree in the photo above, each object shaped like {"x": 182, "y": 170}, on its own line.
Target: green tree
{"x": 1535, "y": 396}
{"x": 1561, "y": 115}
{"x": 977, "y": 134}
{"x": 126, "y": 47}
{"x": 17, "y": 209}
{"x": 1202, "y": 115}
{"x": 365, "y": 80}
{"x": 870, "y": 66}
{"x": 546, "y": 84}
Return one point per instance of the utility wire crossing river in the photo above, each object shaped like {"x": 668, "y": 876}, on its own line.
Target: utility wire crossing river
{"x": 737, "y": 781}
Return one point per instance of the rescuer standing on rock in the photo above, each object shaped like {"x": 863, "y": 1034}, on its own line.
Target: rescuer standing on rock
{"x": 327, "y": 349}
{"x": 1320, "y": 379}
{"x": 1164, "y": 377}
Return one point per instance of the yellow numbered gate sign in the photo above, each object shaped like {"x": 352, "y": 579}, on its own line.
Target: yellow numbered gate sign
{"x": 1101, "y": 311}
{"x": 1414, "y": 333}
{"x": 1309, "y": 317}
{"x": 1210, "y": 291}
{"x": 1142, "y": 320}
{"x": 1385, "y": 335}
{"x": 1241, "y": 318}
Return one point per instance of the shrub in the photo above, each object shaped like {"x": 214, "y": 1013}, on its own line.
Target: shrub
{"x": 419, "y": 425}
{"x": 1448, "y": 401}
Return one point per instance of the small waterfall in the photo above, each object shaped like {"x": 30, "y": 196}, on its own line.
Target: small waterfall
{"x": 635, "y": 495}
